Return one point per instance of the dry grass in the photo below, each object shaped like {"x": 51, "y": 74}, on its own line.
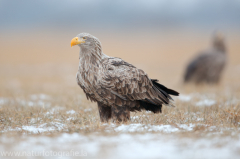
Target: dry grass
{"x": 21, "y": 110}
{"x": 38, "y": 87}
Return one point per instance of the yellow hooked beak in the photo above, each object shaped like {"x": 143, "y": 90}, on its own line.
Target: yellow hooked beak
{"x": 75, "y": 41}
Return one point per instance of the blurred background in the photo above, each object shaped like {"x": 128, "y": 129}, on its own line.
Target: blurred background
{"x": 159, "y": 36}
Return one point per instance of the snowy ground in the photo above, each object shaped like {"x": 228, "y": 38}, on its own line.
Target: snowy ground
{"x": 148, "y": 145}
{"x": 202, "y": 126}
{"x": 48, "y": 134}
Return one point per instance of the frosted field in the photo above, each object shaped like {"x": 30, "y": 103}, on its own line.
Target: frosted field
{"x": 44, "y": 114}
{"x": 124, "y": 145}
{"x": 61, "y": 132}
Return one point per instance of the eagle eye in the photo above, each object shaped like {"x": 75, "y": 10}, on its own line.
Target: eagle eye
{"x": 84, "y": 38}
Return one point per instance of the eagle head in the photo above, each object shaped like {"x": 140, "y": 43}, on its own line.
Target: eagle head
{"x": 84, "y": 40}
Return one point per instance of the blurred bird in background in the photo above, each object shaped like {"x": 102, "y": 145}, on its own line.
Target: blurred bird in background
{"x": 208, "y": 66}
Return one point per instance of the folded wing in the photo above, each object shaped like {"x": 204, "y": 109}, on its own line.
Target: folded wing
{"x": 129, "y": 83}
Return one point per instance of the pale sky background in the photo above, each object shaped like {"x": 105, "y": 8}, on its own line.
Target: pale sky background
{"x": 118, "y": 15}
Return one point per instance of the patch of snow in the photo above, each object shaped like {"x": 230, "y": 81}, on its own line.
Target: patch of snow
{"x": 34, "y": 129}
{"x": 58, "y": 126}
{"x": 137, "y": 146}
{"x": 70, "y": 118}
{"x": 152, "y": 128}
{"x": 8, "y": 129}
{"x": 32, "y": 103}
{"x": 199, "y": 119}
{"x": 71, "y": 112}
{"x": 187, "y": 127}
{"x": 185, "y": 98}
{"x": 40, "y": 97}
{"x": 206, "y": 102}
{"x": 49, "y": 113}
{"x": 130, "y": 128}
{"x": 34, "y": 120}
{"x": 142, "y": 127}
{"x": 40, "y": 103}
{"x": 134, "y": 117}
{"x": 54, "y": 110}
{"x": 137, "y": 117}
{"x": 53, "y": 126}
{"x": 147, "y": 111}
{"x": 3, "y": 101}
{"x": 198, "y": 96}
{"x": 163, "y": 128}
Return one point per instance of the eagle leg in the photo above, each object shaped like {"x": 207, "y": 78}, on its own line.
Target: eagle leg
{"x": 120, "y": 113}
{"x": 104, "y": 112}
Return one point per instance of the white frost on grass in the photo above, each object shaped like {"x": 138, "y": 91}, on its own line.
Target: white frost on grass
{"x": 163, "y": 128}
{"x": 70, "y": 118}
{"x": 9, "y": 129}
{"x": 187, "y": 127}
{"x": 206, "y": 102}
{"x": 148, "y": 112}
{"x": 203, "y": 99}
{"x": 53, "y": 126}
{"x": 54, "y": 110}
{"x": 134, "y": 117}
{"x": 34, "y": 129}
{"x": 141, "y": 127}
{"x": 35, "y": 120}
{"x": 71, "y": 112}
{"x": 34, "y": 100}
{"x": 136, "y": 146}
{"x": 3, "y": 101}
{"x": 39, "y": 97}
{"x": 185, "y": 97}
{"x": 49, "y": 113}
{"x": 153, "y": 128}
{"x": 130, "y": 128}
{"x": 200, "y": 119}
{"x": 31, "y": 103}
{"x": 137, "y": 117}
{"x": 46, "y": 127}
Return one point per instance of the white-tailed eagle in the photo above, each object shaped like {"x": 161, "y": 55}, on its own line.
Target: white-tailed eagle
{"x": 117, "y": 86}
{"x": 208, "y": 66}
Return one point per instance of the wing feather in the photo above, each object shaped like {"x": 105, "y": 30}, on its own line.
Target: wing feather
{"x": 130, "y": 83}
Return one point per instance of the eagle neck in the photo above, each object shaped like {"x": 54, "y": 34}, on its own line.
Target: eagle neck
{"x": 219, "y": 46}
{"x": 90, "y": 59}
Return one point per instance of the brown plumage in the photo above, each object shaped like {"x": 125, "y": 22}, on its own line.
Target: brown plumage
{"x": 207, "y": 67}
{"x": 117, "y": 86}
